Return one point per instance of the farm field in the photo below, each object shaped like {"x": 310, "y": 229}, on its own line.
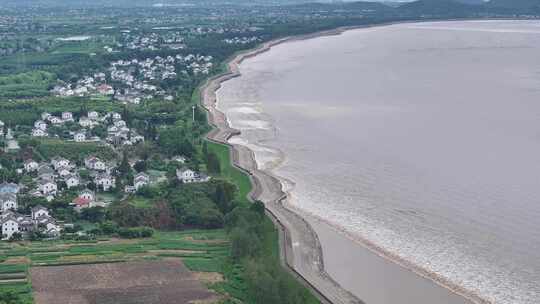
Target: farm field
{"x": 25, "y": 265}
{"x": 160, "y": 282}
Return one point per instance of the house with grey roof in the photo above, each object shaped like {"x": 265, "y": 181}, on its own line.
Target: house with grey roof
{"x": 9, "y": 188}
{"x": 8, "y": 201}
{"x": 10, "y": 225}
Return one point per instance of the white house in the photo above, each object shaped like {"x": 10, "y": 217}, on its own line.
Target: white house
{"x": 38, "y": 133}
{"x": 45, "y": 172}
{"x": 12, "y": 222}
{"x": 30, "y": 165}
{"x": 105, "y": 181}
{"x": 72, "y": 180}
{"x": 40, "y": 124}
{"x": 94, "y": 163}
{"x": 87, "y": 194}
{"x": 79, "y": 137}
{"x": 93, "y": 115}
{"x": 59, "y": 162}
{"x": 8, "y": 201}
{"x": 186, "y": 175}
{"x": 55, "y": 120}
{"x": 67, "y": 116}
{"x": 85, "y": 122}
{"x": 137, "y": 139}
{"x": 10, "y": 225}
{"x": 80, "y": 91}
{"x": 119, "y": 123}
{"x": 140, "y": 180}
{"x": 63, "y": 171}
{"x": 112, "y": 130}
{"x": 39, "y": 211}
{"x": 116, "y": 116}
{"x": 52, "y": 229}
{"x": 130, "y": 189}
{"x": 47, "y": 187}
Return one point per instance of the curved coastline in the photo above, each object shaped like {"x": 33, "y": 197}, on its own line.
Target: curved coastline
{"x": 305, "y": 260}
{"x": 304, "y": 257}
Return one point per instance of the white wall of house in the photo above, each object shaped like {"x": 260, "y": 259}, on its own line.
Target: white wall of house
{"x": 80, "y": 137}
{"x": 39, "y": 213}
{"x": 48, "y": 187}
{"x": 9, "y": 204}
{"x": 31, "y": 166}
{"x": 72, "y": 182}
{"x": 9, "y": 228}
{"x": 87, "y": 195}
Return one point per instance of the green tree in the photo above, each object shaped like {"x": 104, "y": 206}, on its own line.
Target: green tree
{"x": 15, "y": 237}
{"x": 224, "y": 196}
{"x": 124, "y": 168}
{"x": 244, "y": 244}
{"x": 211, "y": 218}
{"x": 108, "y": 227}
{"x": 205, "y": 149}
{"x": 140, "y": 166}
{"x": 212, "y": 163}
{"x": 258, "y": 207}
{"x": 10, "y": 297}
{"x": 94, "y": 214}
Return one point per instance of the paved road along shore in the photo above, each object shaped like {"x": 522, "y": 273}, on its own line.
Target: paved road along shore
{"x": 299, "y": 244}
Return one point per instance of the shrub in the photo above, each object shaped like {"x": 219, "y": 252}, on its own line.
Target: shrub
{"x": 137, "y": 232}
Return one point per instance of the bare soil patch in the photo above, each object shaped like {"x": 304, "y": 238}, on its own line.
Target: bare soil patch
{"x": 17, "y": 260}
{"x": 115, "y": 240}
{"x": 13, "y": 281}
{"x": 209, "y": 277}
{"x": 177, "y": 251}
{"x": 144, "y": 282}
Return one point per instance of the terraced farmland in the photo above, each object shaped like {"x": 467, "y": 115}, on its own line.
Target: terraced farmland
{"x": 200, "y": 251}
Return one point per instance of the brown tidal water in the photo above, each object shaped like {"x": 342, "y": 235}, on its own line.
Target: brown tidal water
{"x": 422, "y": 138}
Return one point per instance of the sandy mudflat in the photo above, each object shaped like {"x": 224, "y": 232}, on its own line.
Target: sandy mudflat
{"x": 376, "y": 279}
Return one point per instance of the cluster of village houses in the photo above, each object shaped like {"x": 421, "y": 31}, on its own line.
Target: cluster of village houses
{"x": 13, "y": 222}
{"x": 118, "y": 133}
{"x": 47, "y": 177}
{"x": 48, "y": 174}
{"x": 204, "y": 30}
{"x": 135, "y": 78}
{"x": 55, "y": 176}
{"x": 59, "y": 169}
{"x": 152, "y": 41}
{"x": 241, "y": 40}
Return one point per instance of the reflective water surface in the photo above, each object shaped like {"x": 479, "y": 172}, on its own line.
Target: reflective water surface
{"x": 421, "y": 138}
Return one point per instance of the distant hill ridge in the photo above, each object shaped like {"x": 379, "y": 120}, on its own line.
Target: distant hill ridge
{"x": 515, "y": 3}
{"x": 440, "y": 7}
{"x": 431, "y": 6}
{"x": 447, "y": 7}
